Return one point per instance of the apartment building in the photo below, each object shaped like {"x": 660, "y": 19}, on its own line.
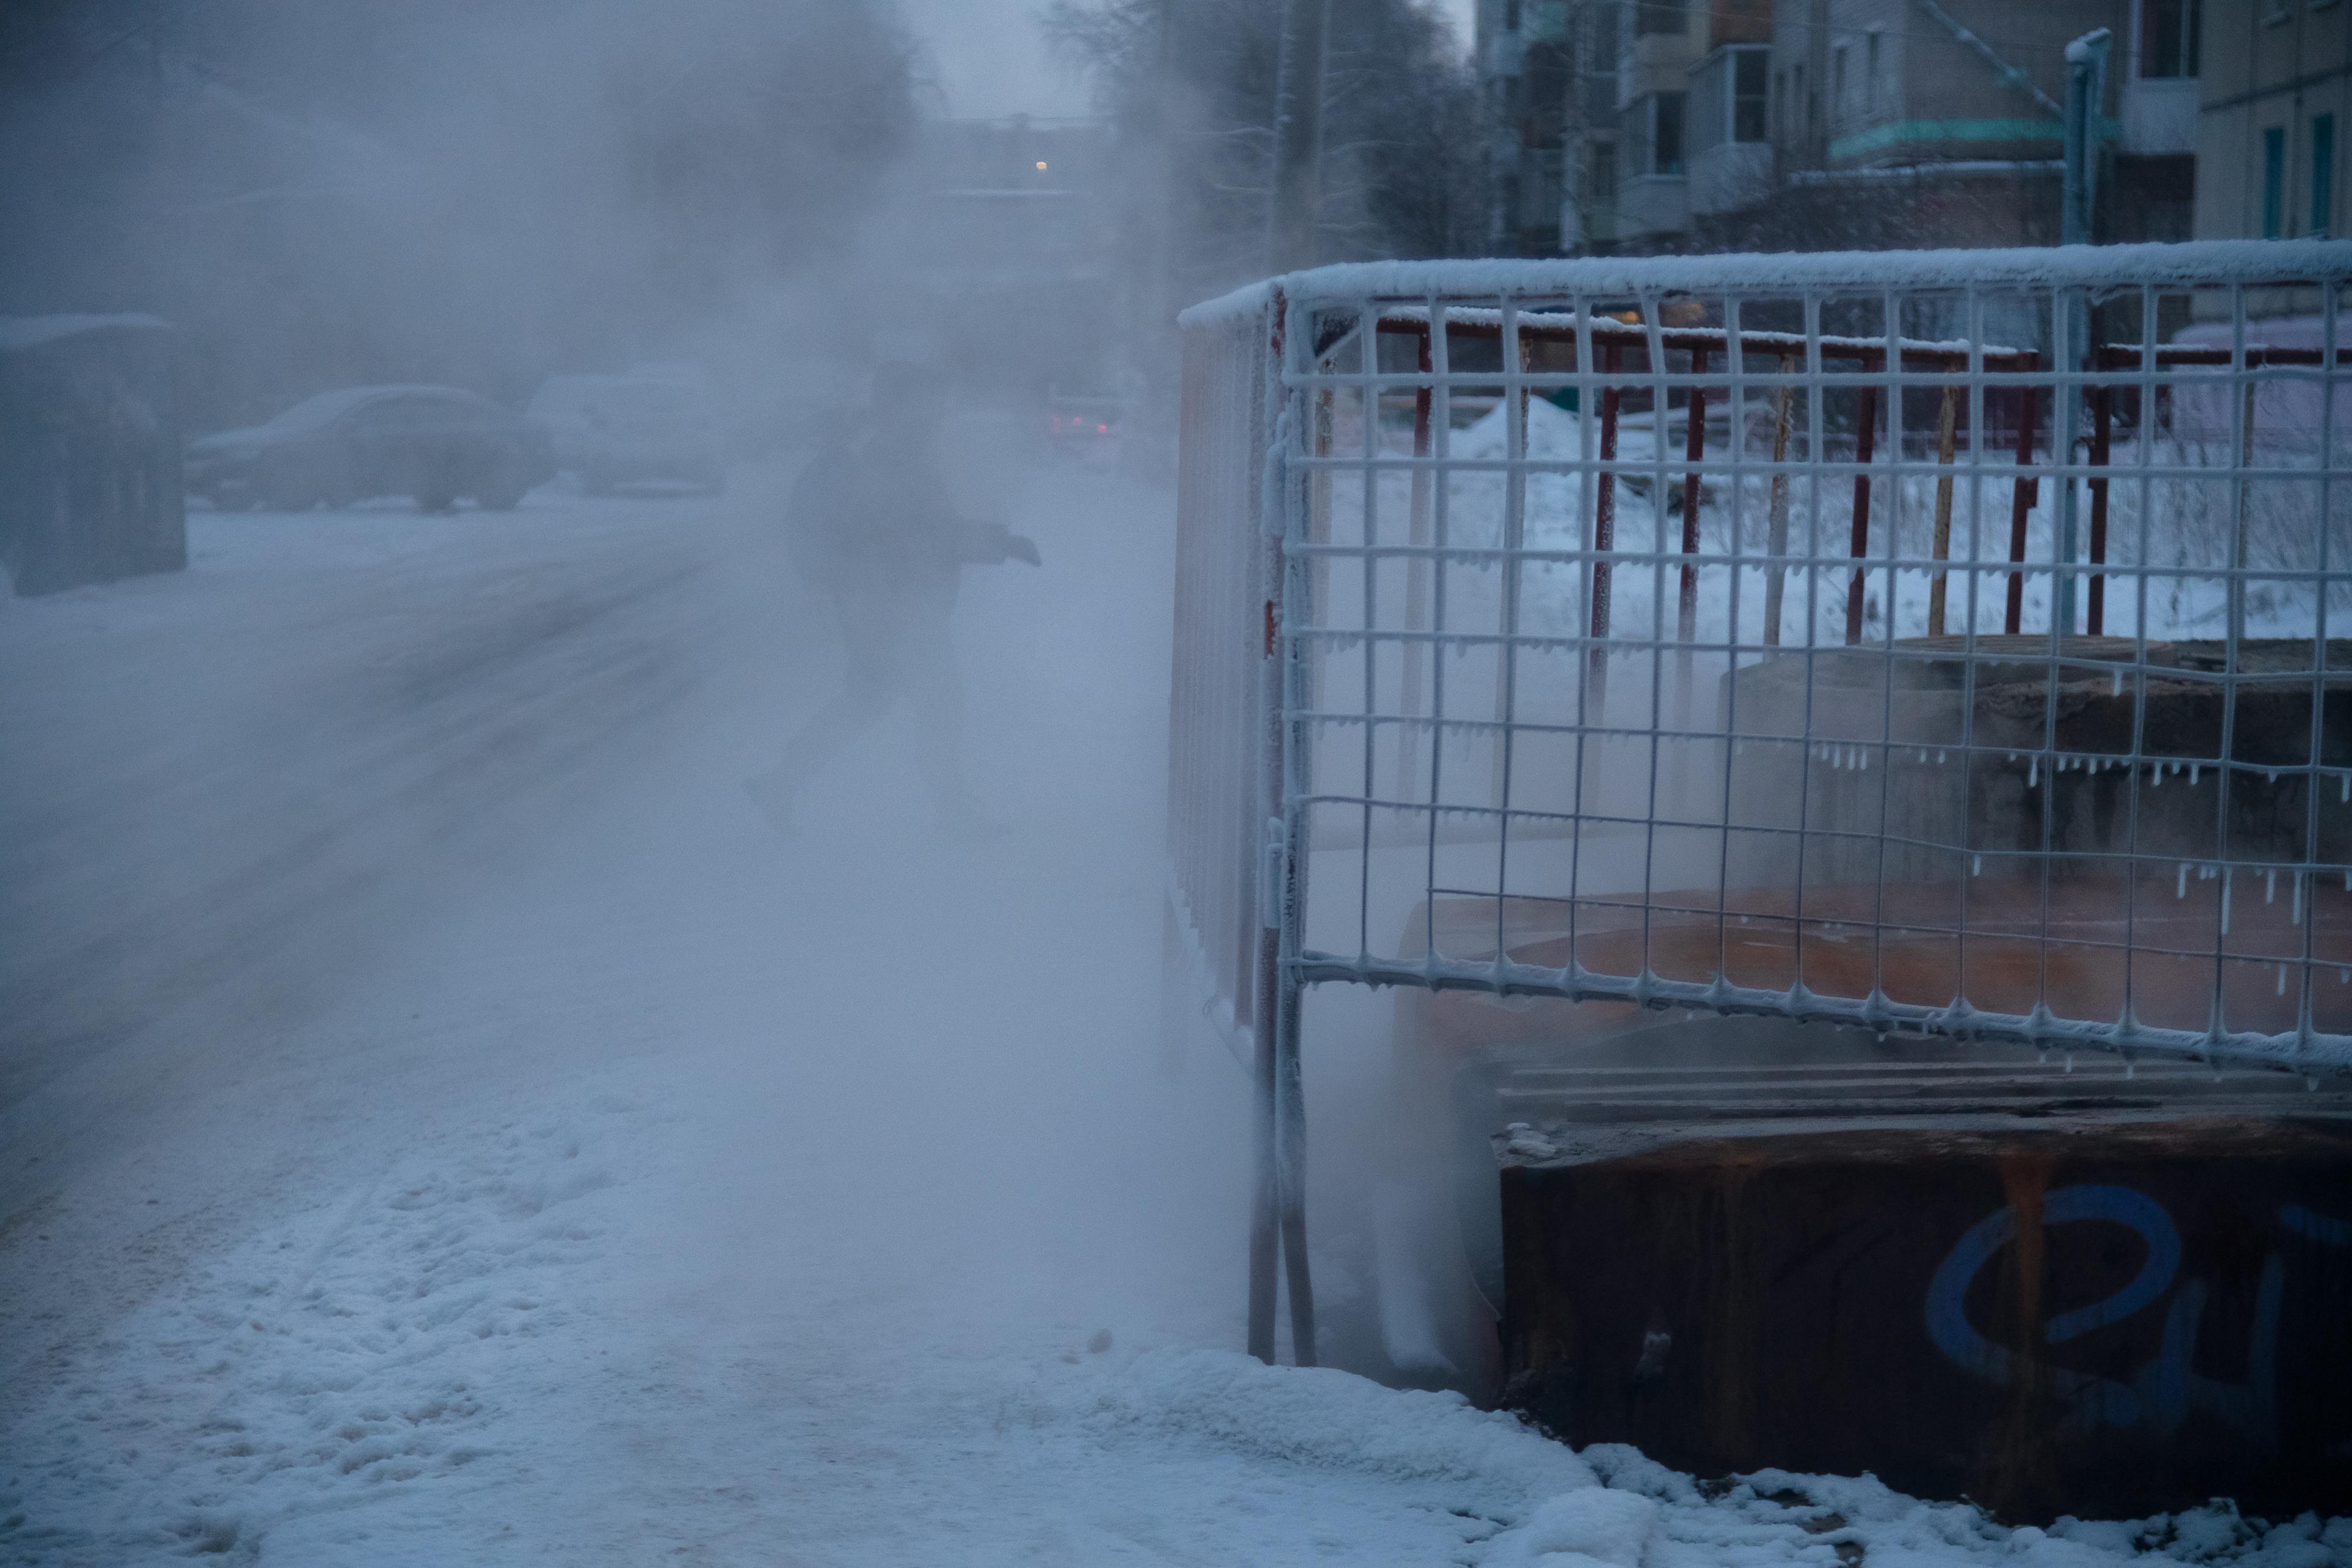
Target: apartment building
{"x": 1810, "y": 124}
{"x": 1525, "y": 56}
{"x": 2275, "y": 85}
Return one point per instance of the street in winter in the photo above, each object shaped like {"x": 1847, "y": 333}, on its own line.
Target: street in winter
{"x": 1175, "y": 781}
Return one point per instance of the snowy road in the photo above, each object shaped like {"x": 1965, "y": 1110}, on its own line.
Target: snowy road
{"x": 439, "y": 1123}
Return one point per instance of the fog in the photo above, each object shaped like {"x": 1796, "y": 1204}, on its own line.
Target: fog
{"x": 440, "y": 1119}
{"x": 516, "y": 1039}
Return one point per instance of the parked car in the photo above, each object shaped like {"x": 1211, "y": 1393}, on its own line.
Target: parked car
{"x": 639, "y": 428}
{"x": 438, "y": 444}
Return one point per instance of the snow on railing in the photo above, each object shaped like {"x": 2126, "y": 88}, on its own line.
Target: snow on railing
{"x": 1929, "y": 641}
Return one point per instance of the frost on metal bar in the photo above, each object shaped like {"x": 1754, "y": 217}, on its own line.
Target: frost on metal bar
{"x": 1942, "y": 642}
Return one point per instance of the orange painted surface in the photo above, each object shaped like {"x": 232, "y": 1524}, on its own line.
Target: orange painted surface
{"x": 2102, "y": 944}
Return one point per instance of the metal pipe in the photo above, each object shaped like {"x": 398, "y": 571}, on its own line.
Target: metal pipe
{"x": 1946, "y": 423}
{"x": 1694, "y": 452}
{"x": 1267, "y": 978}
{"x": 2237, "y": 593}
{"x": 1416, "y": 579}
{"x": 1290, "y": 1134}
{"x": 1865, "y": 441}
{"x": 1604, "y": 530}
{"x": 2102, "y": 421}
{"x": 1266, "y": 1202}
{"x": 2087, "y": 99}
{"x": 1776, "y": 526}
{"x": 2021, "y": 502}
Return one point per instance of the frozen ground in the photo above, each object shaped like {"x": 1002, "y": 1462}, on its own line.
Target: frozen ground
{"x": 439, "y": 1124}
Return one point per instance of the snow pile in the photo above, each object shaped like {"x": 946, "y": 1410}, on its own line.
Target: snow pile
{"x": 2182, "y": 527}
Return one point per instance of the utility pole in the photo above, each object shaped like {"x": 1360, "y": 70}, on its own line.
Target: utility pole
{"x": 1298, "y": 136}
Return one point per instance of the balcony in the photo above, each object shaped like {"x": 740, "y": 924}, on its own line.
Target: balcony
{"x": 2160, "y": 115}
{"x": 1652, "y": 205}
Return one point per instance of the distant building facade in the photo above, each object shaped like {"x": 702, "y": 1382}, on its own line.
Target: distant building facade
{"x": 1526, "y": 58}
{"x": 2274, "y": 92}
{"x": 1710, "y": 125}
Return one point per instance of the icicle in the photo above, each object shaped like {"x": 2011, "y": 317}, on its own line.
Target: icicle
{"x": 2032, "y": 771}
{"x": 2180, "y": 883}
{"x": 2281, "y": 983}
{"x": 2192, "y": 776}
{"x": 2294, "y": 899}
{"x": 2131, "y": 1068}
{"x": 2226, "y": 880}
{"x": 2155, "y": 776}
{"x": 2348, "y": 778}
{"x": 2070, "y": 1062}
{"x": 2270, "y": 885}
{"x": 2347, "y": 796}
{"x": 1976, "y": 865}
{"x": 2310, "y": 1082}
{"x": 2117, "y": 689}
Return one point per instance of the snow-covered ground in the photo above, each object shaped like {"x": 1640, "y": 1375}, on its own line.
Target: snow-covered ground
{"x": 439, "y": 1123}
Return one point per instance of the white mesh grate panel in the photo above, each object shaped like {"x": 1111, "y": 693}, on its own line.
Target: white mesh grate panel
{"x": 1942, "y": 641}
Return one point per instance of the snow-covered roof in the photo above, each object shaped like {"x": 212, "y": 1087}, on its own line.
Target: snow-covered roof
{"x": 18, "y": 332}
{"x": 2197, "y": 263}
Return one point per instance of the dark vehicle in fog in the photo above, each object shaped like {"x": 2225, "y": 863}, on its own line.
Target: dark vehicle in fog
{"x": 439, "y": 444}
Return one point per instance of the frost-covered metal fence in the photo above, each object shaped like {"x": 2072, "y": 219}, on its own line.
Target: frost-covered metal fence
{"x": 1940, "y": 642}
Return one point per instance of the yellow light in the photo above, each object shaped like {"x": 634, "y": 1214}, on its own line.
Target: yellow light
{"x": 1041, "y": 165}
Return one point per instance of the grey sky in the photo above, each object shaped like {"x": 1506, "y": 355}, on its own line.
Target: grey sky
{"x": 988, "y": 57}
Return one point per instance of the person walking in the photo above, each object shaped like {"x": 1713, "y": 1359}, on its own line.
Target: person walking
{"x": 873, "y": 531}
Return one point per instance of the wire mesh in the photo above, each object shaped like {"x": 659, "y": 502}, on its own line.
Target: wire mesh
{"x": 1927, "y": 642}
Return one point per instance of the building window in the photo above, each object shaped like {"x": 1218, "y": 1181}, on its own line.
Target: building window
{"x": 1653, "y": 134}
{"x": 2273, "y": 180}
{"x": 1749, "y": 95}
{"x": 2168, "y": 37}
{"x": 1667, "y": 145}
{"x": 1657, "y": 16}
{"x": 1729, "y": 97}
{"x": 2323, "y": 175}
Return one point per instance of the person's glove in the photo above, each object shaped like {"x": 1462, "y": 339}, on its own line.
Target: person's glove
{"x": 1021, "y": 547}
